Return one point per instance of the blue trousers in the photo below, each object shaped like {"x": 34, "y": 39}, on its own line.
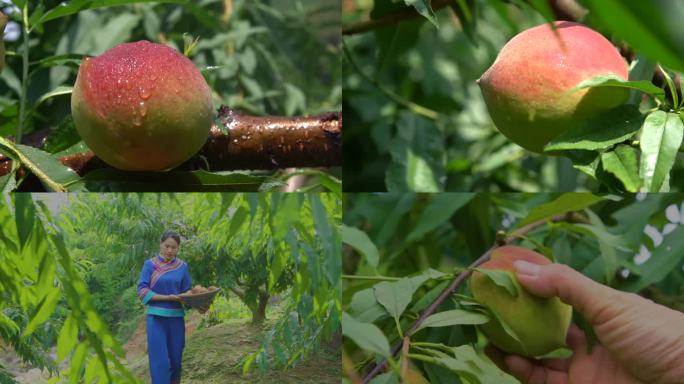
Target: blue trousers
{"x": 165, "y": 343}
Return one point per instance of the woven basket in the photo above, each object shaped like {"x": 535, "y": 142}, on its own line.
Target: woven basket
{"x": 199, "y": 299}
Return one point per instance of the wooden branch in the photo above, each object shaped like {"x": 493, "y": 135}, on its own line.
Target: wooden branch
{"x": 256, "y": 142}
{"x": 243, "y": 143}
{"x": 518, "y": 233}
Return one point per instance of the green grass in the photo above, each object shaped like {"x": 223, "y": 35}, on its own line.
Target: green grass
{"x": 213, "y": 356}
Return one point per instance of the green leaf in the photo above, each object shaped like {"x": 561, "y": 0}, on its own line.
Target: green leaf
{"x": 360, "y": 242}
{"x": 24, "y": 217}
{"x": 606, "y": 241}
{"x": 276, "y": 268}
{"x": 613, "y": 240}
{"x": 425, "y": 300}
{"x": 395, "y": 296}
{"x": 423, "y": 7}
{"x": 602, "y": 131}
{"x": 453, "y": 317}
{"x": 439, "y": 211}
{"x": 664, "y": 259}
{"x": 72, "y": 60}
{"x": 75, "y": 6}
{"x": 660, "y": 140}
{"x": 671, "y": 86}
{"x": 650, "y": 27}
{"x": 8, "y": 325}
{"x": 367, "y": 336}
{"x": 567, "y": 202}
{"x": 112, "y": 180}
{"x": 385, "y": 378}
{"x": 466, "y": 11}
{"x": 43, "y": 311}
{"x": 418, "y": 156}
{"x": 488, "y": 372}
{"x": 295, "y": 99}
{"x": 614, "y": 81}
{"x": 501, "y": 278}
{"x": 61, "y": 90}
{"x": 77, "y": 361}
{"x": 94, "y": 369}
{"x": 623, "y": 163}
{"x": 68, "y": 337}
{"x": 331, "y": 183}
{"x": 365, "y": 307}
{"x": 47, "y": 168}
{"x": 543, "y": 7}
{"x": 63, "y": 137}
{"x": 237, "y": 220}
{"x": 470, "y": 367}
{"x": 584, "y": 161}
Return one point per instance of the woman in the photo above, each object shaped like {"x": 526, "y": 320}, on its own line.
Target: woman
{"x": 162, "y": 278}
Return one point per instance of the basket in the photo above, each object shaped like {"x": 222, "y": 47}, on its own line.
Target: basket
{"x": 199, "y": 300}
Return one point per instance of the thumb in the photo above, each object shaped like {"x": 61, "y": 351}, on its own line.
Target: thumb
{"x": 596, "y": 302}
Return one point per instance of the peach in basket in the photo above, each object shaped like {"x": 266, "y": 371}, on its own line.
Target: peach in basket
{"x": 199, "y": 297}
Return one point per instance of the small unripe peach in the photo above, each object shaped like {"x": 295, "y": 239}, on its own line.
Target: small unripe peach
{"x": 541, "y": 324}
{"x": 529, "y": 88}
{"x": 142, "y": 106}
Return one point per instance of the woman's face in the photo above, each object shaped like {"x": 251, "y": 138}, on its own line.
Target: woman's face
{"x": 168, "y": 248}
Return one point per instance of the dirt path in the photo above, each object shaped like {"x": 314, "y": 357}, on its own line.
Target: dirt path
{"x": 214, "y": 355}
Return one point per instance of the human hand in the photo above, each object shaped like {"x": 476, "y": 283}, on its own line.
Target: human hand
{"x": 638, "y": 341}
{"x": 175, "y": 298}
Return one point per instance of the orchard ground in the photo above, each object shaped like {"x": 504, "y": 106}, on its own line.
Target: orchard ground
{"x": 212, "y": 355}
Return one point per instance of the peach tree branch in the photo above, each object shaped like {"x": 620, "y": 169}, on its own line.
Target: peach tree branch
{"x": 243, "y": 142}
{"x": 461, "y": 277}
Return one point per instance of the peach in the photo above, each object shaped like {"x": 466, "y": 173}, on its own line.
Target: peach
{"x": 529, "y": 90}
{"x": 541, "y": 324}
{"x": 142, "y": 106}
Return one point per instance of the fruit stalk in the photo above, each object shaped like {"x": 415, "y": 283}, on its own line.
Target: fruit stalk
{"x": 271, "y": 142}
{"x": 571, "y": 217}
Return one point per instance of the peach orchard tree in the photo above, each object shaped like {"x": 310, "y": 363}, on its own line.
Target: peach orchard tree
{"x": 419, "y": 123}
{"x": 407, "y": 312}
{"x": 70, "y": 281}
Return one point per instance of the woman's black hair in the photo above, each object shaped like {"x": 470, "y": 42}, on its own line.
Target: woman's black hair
{"x": 170, "y": 234}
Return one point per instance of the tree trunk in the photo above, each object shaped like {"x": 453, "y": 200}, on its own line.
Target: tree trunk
{"x": 259, "y": 311}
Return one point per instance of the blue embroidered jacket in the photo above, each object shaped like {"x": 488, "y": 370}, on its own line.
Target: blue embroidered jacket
{"x": 165, "y": 278}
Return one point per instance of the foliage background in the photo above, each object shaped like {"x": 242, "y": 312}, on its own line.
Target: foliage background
{"x": 271, "y": 57}
{"x": 417, "y": 121}
{"x": 70, "y": 281}
{"x": 633, "y": 244}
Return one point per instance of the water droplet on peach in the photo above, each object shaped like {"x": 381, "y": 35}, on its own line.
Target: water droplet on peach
{"x": 143, "y": 109}
{"x": 144, "y": 93}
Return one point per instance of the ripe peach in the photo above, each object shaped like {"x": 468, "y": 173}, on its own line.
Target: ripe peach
{"x": 141, "y": 106}
{"x": 541, "y": 324}
{"x": 529, "y": 88}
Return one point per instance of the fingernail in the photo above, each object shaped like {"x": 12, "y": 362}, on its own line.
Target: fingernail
{"x": 526, "y": 268}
